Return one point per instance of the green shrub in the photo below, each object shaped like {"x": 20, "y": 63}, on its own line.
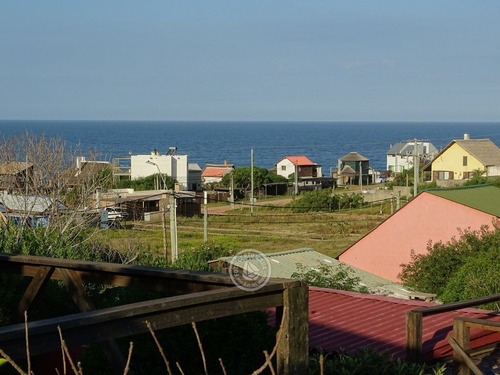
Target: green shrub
{"x": 368, "y": 362}
{"x": 328, "y": 276}
{"x": 322, "y": 200}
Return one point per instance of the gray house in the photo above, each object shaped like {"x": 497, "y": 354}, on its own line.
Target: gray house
{"x": 351, "y": 167}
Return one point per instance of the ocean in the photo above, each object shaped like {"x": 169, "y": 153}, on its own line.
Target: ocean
{"x": 214, "y": 142}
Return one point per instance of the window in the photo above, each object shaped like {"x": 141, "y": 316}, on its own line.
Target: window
{"x": 465, "y": 161}
{"x": 444, "y": 175}
{"x": 283, "y": 167}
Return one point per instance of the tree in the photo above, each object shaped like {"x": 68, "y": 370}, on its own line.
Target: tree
{"x": 242, "y": 178}
{"x": 146, "y": 183}
{"x": 459, "y": 269}
{"x": 54, "y": 188}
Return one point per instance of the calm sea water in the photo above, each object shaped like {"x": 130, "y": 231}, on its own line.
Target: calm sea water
{"x": 214, "y": 142}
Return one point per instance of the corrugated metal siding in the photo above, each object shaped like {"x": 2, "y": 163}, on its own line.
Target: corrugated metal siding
{"x": 339, "y": 319}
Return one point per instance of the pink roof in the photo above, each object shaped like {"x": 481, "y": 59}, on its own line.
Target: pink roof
{"x": 340, "y": 319}
{"x": 215, "y": 171}
{"x": 427, "y": 217}
{"x": 300, "y": 160}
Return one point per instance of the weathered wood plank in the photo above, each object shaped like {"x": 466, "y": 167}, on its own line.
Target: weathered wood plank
{"x": 122, "y": 321}
{"x": 293, "y": 348}
{"x": 83, "y": 302}
{"x": 413, "y": 335}
{"x": 490, "y": 325}
{"x": 39, "y": 280}
{"x": 461, "y": 334}
{"x": 179, "y": 281}
{"x": 431, "y": 310}
{"x": 468, "y": 361}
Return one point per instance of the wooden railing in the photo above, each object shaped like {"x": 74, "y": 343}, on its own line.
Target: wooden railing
{"x": 198, "y": 296}
{"x": 460, "y": 342}
{"x": 414, "y": 322}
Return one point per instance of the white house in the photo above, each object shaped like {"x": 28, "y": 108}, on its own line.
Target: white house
{"x": 305, "y": 167}
{"x": 400, "y": 155}
{"x": 171, "y": 164}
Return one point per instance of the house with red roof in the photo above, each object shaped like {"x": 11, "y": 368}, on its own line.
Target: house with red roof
{"x": 213, "y": 173}
{"x": 352, "y": 321}
{"x": 433, "y": 216}
{"x": 305, "y": 168}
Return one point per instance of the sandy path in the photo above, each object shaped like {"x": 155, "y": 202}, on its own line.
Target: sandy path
{"x": 221, "y": 210}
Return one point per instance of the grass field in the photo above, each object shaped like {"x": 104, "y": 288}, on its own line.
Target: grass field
{"x": 268, "y": 230}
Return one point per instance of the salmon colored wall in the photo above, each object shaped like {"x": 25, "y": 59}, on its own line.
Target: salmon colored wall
{"x": 427, "y": 217}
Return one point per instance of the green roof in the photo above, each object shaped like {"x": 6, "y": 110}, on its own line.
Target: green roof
{"x": 485, "y": 198}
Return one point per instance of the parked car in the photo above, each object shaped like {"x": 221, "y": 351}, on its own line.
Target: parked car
{"x": 115, "y": 213}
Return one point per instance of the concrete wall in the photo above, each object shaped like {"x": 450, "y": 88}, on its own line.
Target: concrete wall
{"x": 380, "y": 194}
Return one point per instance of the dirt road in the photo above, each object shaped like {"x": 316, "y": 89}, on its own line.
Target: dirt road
{"x": 221, "y": 210}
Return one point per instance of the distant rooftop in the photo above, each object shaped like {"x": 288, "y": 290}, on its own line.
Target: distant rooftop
{"x": 353, "y": 156}
{"x": 300, "y": 160}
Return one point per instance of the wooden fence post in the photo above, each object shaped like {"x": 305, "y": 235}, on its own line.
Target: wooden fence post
{"x": 413, "y": 336}
{"x": 461, "y": 333}
{"x": 293, "y": 348}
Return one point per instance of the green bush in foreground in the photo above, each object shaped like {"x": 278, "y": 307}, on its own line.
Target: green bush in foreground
{"x": 368, "y": 362}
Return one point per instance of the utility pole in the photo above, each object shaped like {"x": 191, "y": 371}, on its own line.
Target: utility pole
{"x": 164, "y": 226}
{"x": 296, "y": 178}
{"x": 205, "y": 217}
{"x": 416, "y": 169}
{"x": 232, "y": 190}
{"x": 360, "y": 177}
{"x": 251, "y": 182}
{"x": 173, "y": 226}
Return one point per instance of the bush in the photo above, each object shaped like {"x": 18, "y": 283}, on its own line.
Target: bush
{"x": 328, "y": 276}
{"x": 368, "y": 362}
{"x": 459, "y": 269}
{"x": 197, "y": 259}
{"x": 146, "y": 183}
{"x": 322, "y": 200}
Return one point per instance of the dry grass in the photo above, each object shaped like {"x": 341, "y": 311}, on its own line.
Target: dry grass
{"x": 268, "y": 230}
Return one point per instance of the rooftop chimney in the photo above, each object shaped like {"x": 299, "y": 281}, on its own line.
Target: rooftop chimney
{"x": 466, "y": 136}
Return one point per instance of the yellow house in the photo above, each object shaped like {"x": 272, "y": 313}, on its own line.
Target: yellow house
{"x": 460, "y": 158}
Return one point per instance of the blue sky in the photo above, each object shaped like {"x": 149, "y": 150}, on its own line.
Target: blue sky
{"x": 250, "y": 60}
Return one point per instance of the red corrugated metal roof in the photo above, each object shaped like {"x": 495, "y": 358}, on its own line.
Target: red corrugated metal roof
{"x": 300, "y": 160}
{"x": 215, "y": 171}
{"x": 340, "y": 319}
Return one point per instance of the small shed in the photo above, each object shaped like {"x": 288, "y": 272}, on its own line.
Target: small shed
{"x": 137, "y": 204}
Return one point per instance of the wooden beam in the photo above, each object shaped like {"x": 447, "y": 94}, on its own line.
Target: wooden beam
{"x": 293, "y": 348}
{"x": 461, "y": 334}
{"x": 151, "y": 278}
{"x": 83, "y": 302}
{"x": 127, "y": 320}
{"x": 39, "y": 280}
{"x": 461, "y": 352}
{"x": 438, "y": 309}
{"x": 414, "y": 325}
